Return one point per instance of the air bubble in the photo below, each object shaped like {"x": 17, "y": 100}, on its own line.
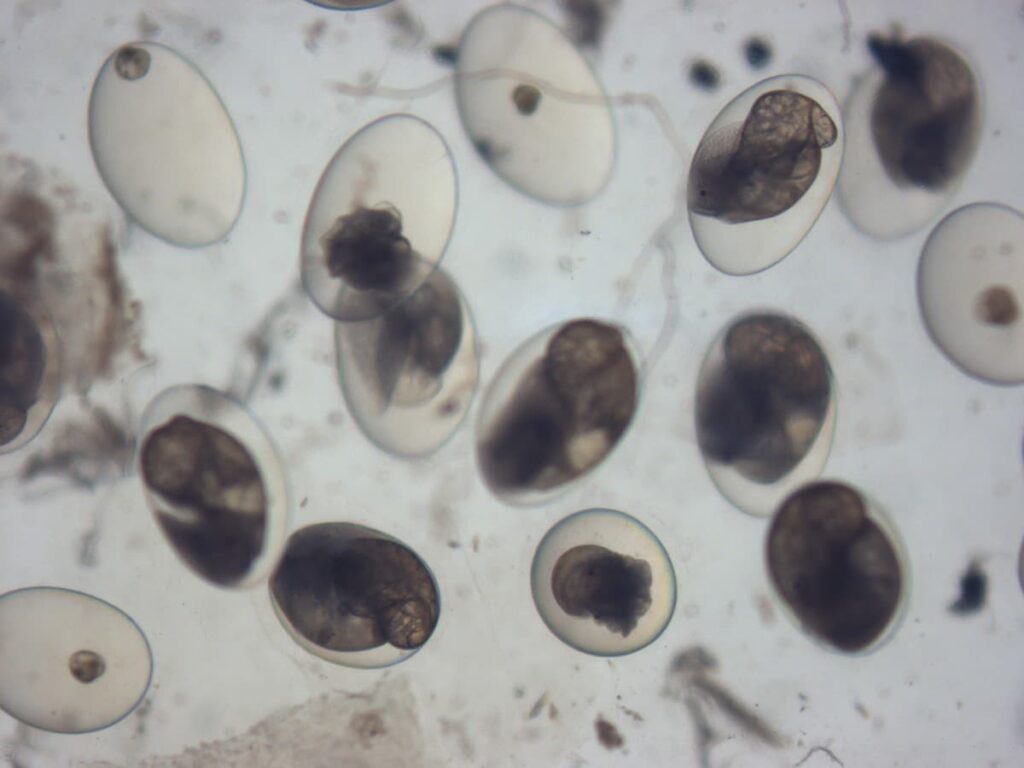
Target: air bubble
{"x": 165, "y": 145}
{"x": 532, "y": 106}
{"x": 838, "y": 566}
{"x": 354, "y": 596}
{"x": 409, "y": 376}
{"x": 763, "y": 172}
{"x": 913, "y": 123}
{"x": 603, "y": 583}
{"x": 766, "y": 410}
{"x": 69, "y": 662}
{"x": 380, "y": 218}
{"x": 215, "y": 484}
{"x": 555, "y": 410}
{"x": 970, "y": 282}
{"x": 29, "y": 373}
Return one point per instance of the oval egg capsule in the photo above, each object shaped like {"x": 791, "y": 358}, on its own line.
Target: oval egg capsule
{"x": 215, "y": 484}
{"x": 354, "y": 596}
{"x": 838, "y": 566}
{"x": 165, "y": 145}
{"x": 555, "y": 409}
{"x": 532, "y": 106}
{"x": 69, "y": 662}
{"x": 603, "y": 583}
{"x": 763, "y": 172}
{"x": 766, "y": 410}
{"x": 970, "y": 283}
{"x": 380, "y": 218}
{"x": 29, "y": 372}
{"x": 913, "y": 122}
{"x": 409, "y": 376}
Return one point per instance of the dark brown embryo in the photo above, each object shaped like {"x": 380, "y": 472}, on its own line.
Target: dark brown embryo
{"x": 22, "y": 365}
{"x": 593, "y": 581}
{"x": 367, "y": 250}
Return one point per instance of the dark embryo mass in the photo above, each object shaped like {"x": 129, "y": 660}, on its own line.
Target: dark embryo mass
{"x": 22, "y": 364}
{"x": 367, "y": 250}
{"x": 763, "y": 407}
{"x": 348, "y": 591}
{"x": 762, "y": 167}
{"x": 219, "y": 520}
{"x": 834, "y": 566}
{"x": 613, "y": 589}
{"x": 567, "y": 412}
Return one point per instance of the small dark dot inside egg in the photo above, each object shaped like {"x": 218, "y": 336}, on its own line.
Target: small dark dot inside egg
{"x": 86, "y": 666}
{"x": 704, "y": 75}
{"x": 757, "y": 52}
{"x": 132, "y": 63}
{"x": 526, "y": 98}
{"x": 997, "y": 305}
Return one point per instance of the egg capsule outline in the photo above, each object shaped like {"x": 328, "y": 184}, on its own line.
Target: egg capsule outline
{"x": 214, "y": 404}
{"x": 131, "y": 622}
{"x": 327, "y": 5}
{"x": 108, "y": 69}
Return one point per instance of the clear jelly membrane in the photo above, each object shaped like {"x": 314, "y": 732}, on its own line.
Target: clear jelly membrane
{"x": 913, "y": 122}
{"x": 69, "y": 662}
{"x": 409, "y": 376}
{"x": 532, "y": 106}
{"x": 215, "y": 484}
{"x": 838, "y": 566}
{"x": 165, "y": 145}
{"x": 30, "y": 379}
{"x": 603, "y": 583}
{"x": 970, "y": 284}
{"x": 766, "y": 410}
{"x": 763, "y": 172}
{"x": 354, "y": 596}
{"x": 380, "y": 218}
{"x": 556, "y": 409}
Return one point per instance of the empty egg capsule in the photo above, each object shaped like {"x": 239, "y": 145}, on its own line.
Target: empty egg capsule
{"x": 532, "y": 106}
{"x": 380, "y": 218}
{"x": 29, "y": 372}
{"x": 215, "y": 484}
{"x": 165, "y": 145}
{"x": 603, "y": 583}
{"x": 556, "y": 409}
{"x": 970, "y": 283}
{"x": 763, "y": 172}
{"x": 409, "y": 375}
{"x": 69, "y": 662}
{"x": 838, "y": 566}
{"x": 354, "y": 596}
{"x": 912, "y": 126}
{"x": 766, "y": 410}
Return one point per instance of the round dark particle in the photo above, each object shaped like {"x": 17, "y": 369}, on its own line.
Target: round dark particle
{"x": 345, "y": 590}
{"x": 834, "y": 566}
{"x": 757, "y": 52}
{"x": 526, "y": 98}
{"x": 997, "y": 305}
{"x": 131, "y": 62}
{"x": 366, "y": 249}
{"x": 705, "y": 75}
{"x": 613, "y": 589}
{"x": 22, "y": 365}
{"x": 973, "y": 590}
{"x": 201, "y": 468}
{"x": 86, "y": 666}
{"x": 446, "y": 54}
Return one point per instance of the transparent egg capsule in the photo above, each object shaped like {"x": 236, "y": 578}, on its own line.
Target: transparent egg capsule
{"x": 912, "y": 126}
{"x": 555, "y": 409}
{"x": 29, "y": 372}
{"x": 970, "y": 282}
{"x": 532, "y": 106}
{"x": 348, "y": 5}
{"x": 409, "y": 375}
{"x": 838, "y": 566}
{"x": 165, "y": 145}
{"x": 380, "y": 218}
{"x": 69, "y": 662}
{"x": 354, "y": 596}
{"x": 763, "y": 172}
{"x": 215, "y": 484}
{"x": 603, "y": 583}
{"x": 766, "y": 410}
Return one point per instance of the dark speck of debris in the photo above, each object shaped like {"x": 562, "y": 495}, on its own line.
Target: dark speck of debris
{"x": 446, "y": 54}
{"x": 588, "y": 19}
{"x": 608, "y": 734}
{"x": 277, "y": 380}
{"x": 408, "y": 30}
{"x": 314, "y": 31}
{"x": 304, "y": 502}
{"x": 454, "y": 544}
{"x": 973, "y": 588}
{"x": 704, "y": 75}
{"x": 757, "y": 52}
{"x": 584, "y": 232}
